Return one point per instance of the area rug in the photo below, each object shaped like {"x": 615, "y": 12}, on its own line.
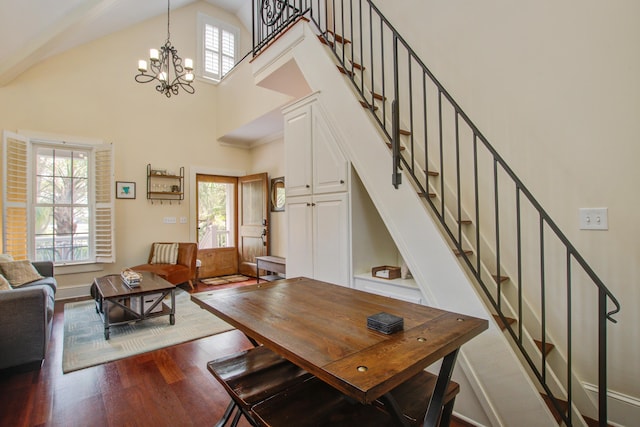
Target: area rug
{"x": 85, "y": 346}
{"x": 223, "y": 280}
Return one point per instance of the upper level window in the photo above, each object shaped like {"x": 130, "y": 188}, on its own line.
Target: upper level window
{"x": 58, "y": 200}
{"x": 217, "y": 47}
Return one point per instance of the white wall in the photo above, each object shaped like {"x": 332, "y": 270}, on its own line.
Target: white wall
{"x": 269, "y": 158}
{"x": 554, "y": 87}
{"x": 90, "y": 91}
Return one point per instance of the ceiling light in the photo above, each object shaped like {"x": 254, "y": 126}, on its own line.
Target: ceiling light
{"x": 166, "y": 67}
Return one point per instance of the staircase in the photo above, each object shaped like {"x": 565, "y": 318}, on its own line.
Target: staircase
{"x": 527, "y": 271}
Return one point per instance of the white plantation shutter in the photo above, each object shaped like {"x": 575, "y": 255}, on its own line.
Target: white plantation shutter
{"x": 104, "y": 225}
{"x": 228, "y": 51}
{"x": 212, "y": 51}
{"x": 15, "y": 179}
{"x": 218, "y": 47}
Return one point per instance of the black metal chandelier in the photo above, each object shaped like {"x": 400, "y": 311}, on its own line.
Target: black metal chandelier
{"x": 165, "y": 63}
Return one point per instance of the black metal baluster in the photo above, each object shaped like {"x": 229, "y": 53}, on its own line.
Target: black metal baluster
{"x": 497, "y": 224}
{"x": 543, "y": 306}
{"x": 477, "y": 205}
{"x": 410, "y": 77}
{"x": 569, "y": 346}
{"x": 519, "y": 261}
{"x": 458, "y": 187}
{"x": 441, "y": 153}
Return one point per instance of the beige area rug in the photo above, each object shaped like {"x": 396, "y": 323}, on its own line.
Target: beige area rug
{"x": 85, "y": 346}
{"x": 223, "y": 280}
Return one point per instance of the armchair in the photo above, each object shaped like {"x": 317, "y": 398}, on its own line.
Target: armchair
{"x": 184, "y": 270}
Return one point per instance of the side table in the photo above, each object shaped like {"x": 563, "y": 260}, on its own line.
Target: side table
{"x": 271, "y": 264}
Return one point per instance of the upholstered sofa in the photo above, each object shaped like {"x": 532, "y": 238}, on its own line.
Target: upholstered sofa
{"x": 184, "y": 269}
{"x": 26, "y": 319}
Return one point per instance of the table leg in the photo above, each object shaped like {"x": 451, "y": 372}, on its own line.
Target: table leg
{"x": 105, "y": 314}
{"x": 172, "y": 315}
{"x": 435, "y": 405}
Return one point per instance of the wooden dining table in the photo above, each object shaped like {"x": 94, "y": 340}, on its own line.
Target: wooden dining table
{"x": 322, "y": 328}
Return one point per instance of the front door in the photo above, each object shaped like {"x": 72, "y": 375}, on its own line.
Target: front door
{"x": 253, "y": 230}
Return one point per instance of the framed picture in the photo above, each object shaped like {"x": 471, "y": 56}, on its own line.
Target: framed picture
{"x": 125, "y": 190}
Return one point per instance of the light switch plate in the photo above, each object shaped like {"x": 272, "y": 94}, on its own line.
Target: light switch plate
{"x": 169, "y": 220}
{"x": 183, "y": 220}
{"x": 594, "y": 219}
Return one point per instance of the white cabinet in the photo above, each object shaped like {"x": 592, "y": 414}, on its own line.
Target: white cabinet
{"x": 318, "y": 237}
{"x": 297, "y": 151}
{"x": 317, "y": 197}
{"x": 314, "y": 163}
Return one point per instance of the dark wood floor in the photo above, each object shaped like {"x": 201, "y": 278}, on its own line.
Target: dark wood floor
{"x": 167, "y": 387}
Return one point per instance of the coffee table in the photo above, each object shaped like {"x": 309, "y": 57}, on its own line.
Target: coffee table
{"x": 118, "y": 303}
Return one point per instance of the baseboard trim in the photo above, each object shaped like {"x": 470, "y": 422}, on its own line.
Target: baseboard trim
{"x": 467, "y": 420}
{"x": 71, "y": 292}
{"x": 623, "y": 409}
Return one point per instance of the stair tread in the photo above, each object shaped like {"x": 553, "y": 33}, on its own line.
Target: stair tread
{"x": 357, "y": 66}
{"x": 345, "y": 71}
{"x": 431, "y": 195}
{"x": 339, "y": 38}
{"x": 325, "y": 41}
{"x": 465, "y": 221}
{"x": 564, "y": 405}
{"x": 432, "y": 173}
{"x": 502, "y": 325}
{"x": 378, "y": 96}
{"x": 548, "y": 346}
{"x": 405, "y": 132}
{"x": 401, "y": 148}
{"x": 500, "y": 279}
{"x": 367, "y": 106}
{"x": 457, "y": 252}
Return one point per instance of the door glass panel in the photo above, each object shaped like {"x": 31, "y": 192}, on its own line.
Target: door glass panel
{"x": 252, "y": 195}
{"x": 216, "y": 211}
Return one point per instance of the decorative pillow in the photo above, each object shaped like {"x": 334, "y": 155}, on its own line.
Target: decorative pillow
{"x": 4, "y": 284}
{"x": 19, "y": 273}
{"x": 165, "y": 253}
{"x": 6, "y": 257}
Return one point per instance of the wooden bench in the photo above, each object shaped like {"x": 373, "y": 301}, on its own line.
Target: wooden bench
{"x": 252, "y": 376}
{"x": 315, "y": 403}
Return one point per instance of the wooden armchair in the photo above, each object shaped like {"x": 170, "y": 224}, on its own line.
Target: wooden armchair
{"x": 184, "y": 270}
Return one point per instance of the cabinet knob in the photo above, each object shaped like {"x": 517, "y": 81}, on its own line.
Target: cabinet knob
{"x": 342, "y": 181}
{"x": 307, "y": 186}
{"x": 308, "y": 204}
{"x": 313, "y": 204}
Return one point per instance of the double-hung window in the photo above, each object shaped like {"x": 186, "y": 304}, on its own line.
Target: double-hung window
{"x": 217, "y": 47}
{"x": 57, "y": 200}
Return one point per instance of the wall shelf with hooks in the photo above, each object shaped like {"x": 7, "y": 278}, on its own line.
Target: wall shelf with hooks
{"x": 165, "y": 186}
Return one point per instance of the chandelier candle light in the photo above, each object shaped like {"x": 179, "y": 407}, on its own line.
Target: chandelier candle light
{"x": 161, "y": 64}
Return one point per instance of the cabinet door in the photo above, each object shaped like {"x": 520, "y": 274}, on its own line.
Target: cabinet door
{"x": 330, "y": 167}
{"x": 299, "y": 237}
{"x": 297, "y": 149}
{"x": 331, "y": 259}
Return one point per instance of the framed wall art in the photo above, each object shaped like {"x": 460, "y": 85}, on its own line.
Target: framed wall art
{"x": 125, "y": 190}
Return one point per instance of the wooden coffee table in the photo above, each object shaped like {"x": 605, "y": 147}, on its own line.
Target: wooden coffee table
{"x": 118, "y": 304}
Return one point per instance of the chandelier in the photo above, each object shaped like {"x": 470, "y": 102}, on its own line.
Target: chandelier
{"x": 166, "y": 67}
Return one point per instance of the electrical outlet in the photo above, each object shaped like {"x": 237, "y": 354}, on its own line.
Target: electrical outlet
{"x": 169, "y": 220}
{"x": 594, "y": 219}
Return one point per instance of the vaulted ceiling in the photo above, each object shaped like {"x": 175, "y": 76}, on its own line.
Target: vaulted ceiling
{"x": 32, "y": 30}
